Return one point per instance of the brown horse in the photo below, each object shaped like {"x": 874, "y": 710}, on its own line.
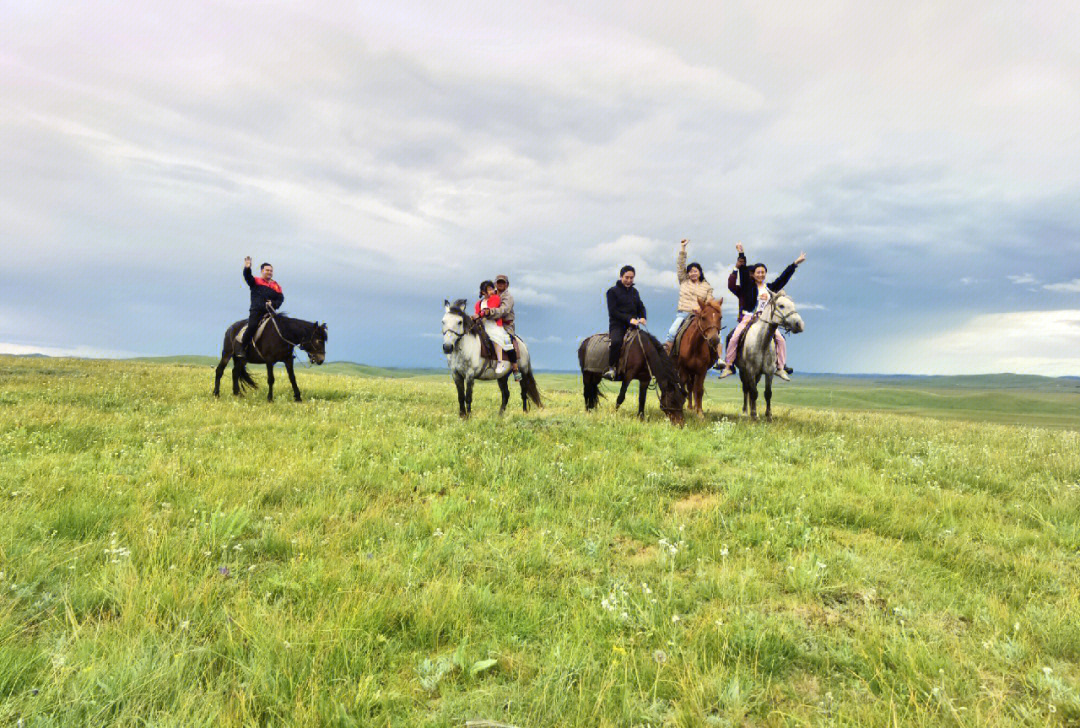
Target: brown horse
{"x": 277, "y": 342}
{"x": 698, "y": 350}
{"x": 644, "y": 360}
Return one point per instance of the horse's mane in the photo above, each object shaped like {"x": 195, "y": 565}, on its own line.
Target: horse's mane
{"x": 294, "y": 327}
{"x": 458, "y": 307}
{"x": 663, "y": 367}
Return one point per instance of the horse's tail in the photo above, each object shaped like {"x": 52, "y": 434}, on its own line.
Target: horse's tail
{"x": 528, "y": 386}
{"x": 243, "y": 376}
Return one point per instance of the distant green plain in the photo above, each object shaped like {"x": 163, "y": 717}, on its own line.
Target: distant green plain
{"x": 886, "y": 552}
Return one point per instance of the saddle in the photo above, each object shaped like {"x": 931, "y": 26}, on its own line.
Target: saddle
{"x": 742, "y": 339}
{"x": 258, "y": 331}
{"x": 487, "y": 346}
{"x": 683, "y": 328}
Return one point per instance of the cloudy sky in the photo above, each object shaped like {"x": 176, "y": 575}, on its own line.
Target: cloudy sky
{"x": 385, "y": 156}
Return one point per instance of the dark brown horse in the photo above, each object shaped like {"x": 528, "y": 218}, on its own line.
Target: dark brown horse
{"x": 698, "y": 350}
{"x": 644, "y": 360}
{"x": 277, "y": 342}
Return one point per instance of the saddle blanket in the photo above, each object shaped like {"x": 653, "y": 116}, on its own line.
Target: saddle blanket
{"x": 258, "y": 331}
{"x": 683, "y": 328}
{"x": 597, "y": 348}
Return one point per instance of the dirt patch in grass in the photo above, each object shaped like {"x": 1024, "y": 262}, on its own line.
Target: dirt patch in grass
{"x": 696, "y": 502}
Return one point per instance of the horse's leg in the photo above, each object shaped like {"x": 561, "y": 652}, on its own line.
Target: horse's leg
{"x": 524, "y": 397}
{"x": 622, "y": 392}
{"x": 219, "y": 371}
{"x": 699, "y": 390}
{"x": 468, "y": 396}
{"x": 768, "y": 396}
{"x": 269, "y": 382}
{"x": 504, "y": 389}
{"x": 459, "y": 383}
{"x": 292, "y": 378}
{"x": 642, "y": 395}
{"x": 235, "y": 380}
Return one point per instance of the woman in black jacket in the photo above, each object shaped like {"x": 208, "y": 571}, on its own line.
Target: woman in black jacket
{"x": 753, "y": 294}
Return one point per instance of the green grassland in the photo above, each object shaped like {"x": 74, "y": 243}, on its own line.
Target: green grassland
{"x": 365, "y": 558}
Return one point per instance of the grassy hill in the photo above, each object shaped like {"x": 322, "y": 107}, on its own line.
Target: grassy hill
{"x": 366, "y": 558}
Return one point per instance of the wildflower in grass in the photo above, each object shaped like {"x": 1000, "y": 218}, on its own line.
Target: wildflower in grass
{"x": 675, "y": 618}
{"x": 224, "y": 570}
{"x": 821, "y": 565}
{"x": 1047, "y": 670}
{"x": 660, "y": 656}
{"x": 724, "y": 551}
{"x": 438, "y": 533}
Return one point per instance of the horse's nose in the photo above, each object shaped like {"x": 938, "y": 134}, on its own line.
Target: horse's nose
{"x": 446, "y": 348}
{"x": 797, "y": 326}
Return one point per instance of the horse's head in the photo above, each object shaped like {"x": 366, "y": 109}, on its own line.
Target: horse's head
{"x": 315, "y": 344}
{"x": 455, "y": 324}
{"x": 781, "y": 311}
{"x": 709, "y": 319}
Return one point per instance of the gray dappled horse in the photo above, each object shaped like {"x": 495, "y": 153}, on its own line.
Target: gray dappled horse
{"x": 461, "y": 344}
{"x": 757, "y": 355}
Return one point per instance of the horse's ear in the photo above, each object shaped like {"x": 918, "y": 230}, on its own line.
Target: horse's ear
{"x": 446, "y": 304}
{"x": 702, "y": 302}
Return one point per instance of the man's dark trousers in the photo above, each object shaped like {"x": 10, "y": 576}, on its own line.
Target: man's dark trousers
{"x": 254, "y": 317}
{"x": 616, "y": 332}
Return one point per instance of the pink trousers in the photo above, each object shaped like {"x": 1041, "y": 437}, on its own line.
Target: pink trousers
{"x": 733, "y": 345}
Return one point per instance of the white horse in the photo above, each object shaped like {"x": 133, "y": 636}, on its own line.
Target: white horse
{"x": 461, "y": 344}
{"x": 757, "y": 356}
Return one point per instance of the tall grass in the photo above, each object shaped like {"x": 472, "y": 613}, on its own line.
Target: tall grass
{"x": 365, "y": 558}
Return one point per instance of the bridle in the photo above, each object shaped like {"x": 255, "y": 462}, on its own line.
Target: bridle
{"x": 705, "y": 331}
{"x": 457, "y": 337}
{"x": 306, "y": 346}
{"x": 652, "y": 375}
{"x": 782, "y": 323}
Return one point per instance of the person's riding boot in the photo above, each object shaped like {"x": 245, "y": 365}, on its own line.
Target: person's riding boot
{"x": 783, "y": 375}
{"x": 726, "y": 372}
{"x": 610, "y": 374}
{"x": 789, "y": 370}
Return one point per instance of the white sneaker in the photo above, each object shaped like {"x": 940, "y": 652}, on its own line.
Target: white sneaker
{"x": 501, "y": 368}
{"x": 783, "y": 375}
{"x": 726, "y": 372}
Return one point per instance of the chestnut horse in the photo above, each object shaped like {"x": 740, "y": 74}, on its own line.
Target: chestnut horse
{"x": 698, "y": 350}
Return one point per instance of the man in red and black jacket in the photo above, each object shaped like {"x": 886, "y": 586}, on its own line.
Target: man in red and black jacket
{"x": 266, "y": 296}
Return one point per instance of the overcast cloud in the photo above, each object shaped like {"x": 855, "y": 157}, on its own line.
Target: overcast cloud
{"x": 385, "y": 156}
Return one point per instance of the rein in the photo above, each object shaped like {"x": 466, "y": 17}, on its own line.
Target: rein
{"x": 772, "y": 316}
{"x": 652, "y": 375}
{"x": 703, "y": 330}
{"x": 309, "y": 342}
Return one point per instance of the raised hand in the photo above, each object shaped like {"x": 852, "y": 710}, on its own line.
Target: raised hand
{"x": 738, "y": 247}
{"x": 800, "y": 259}
{"x": 247, "y": 261}
{"x": 683, "y": 243}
